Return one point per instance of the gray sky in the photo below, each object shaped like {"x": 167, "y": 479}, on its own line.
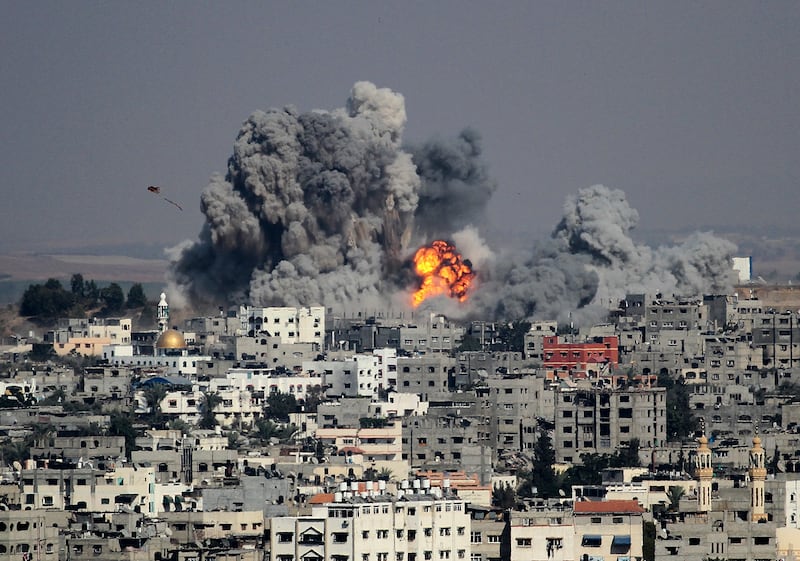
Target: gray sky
{"x": 690, "y": 108}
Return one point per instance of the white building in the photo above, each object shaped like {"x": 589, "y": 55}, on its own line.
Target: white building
{"x": 292, "y": 325}
{"x": 360, "y": 375}
{"x": 267, "y": 381}
{"x": 348, "y": 526}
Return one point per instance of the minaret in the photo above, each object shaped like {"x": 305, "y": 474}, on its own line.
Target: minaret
{"x": 758, "y": 473}
{"x": 705, "y": 473}
{"x": 162, "y": 314}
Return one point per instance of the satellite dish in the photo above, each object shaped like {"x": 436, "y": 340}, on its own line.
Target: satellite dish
{"x": 17, "y": 465}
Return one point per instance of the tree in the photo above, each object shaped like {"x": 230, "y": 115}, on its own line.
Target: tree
{"x": 77, "y": 286}
{"x": 207, "y": 418}
{"x": 154, "y": 394}
{"x": 680, "y": 421}
{"x": 136, "y": 296}
{"x": 41, "y": 435}
{"x": 47, "y": 301}
{"x": 649, "y": 541}
{"x": 504, "y": 496}
{"x": 314, "y": 396}
{"x": 627, "y": 456}
{"x": 121, "y": 424}
{"x": 674, "y": 495}
{"x": 512, "y": 335}
{"x": 280, "y": 406}
{"x": 113, "y": 299}
{"x": 469, "y": 343}
{"x": 542, "y": 476}
{"x": 14, "y": 451}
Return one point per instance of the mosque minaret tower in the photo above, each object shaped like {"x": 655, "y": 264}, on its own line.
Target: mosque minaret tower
{"x": 705, "y": 473}
{"x": 162, "y": 314}
{"x": 758, "y": 474}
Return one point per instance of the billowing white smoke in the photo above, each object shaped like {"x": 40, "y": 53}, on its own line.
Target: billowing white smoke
{"x": 326, "y": 208}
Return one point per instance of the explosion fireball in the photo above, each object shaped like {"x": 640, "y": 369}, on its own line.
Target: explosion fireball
{"x": 322, "y": 208}
{"x": 442, "y": 270}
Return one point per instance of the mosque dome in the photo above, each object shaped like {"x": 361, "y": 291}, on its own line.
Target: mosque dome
{"x": 171, "y": 339}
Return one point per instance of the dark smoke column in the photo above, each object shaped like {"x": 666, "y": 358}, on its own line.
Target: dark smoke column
{"x": 315, "y": 208}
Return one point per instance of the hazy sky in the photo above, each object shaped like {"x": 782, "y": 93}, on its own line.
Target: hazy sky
{"x": 691, "y": 108}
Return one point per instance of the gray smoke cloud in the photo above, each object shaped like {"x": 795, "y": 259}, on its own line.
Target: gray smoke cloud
{"x": 326, "y": 208}
{"x": 590, "y": 262}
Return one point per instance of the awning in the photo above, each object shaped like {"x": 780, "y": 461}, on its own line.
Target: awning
{"x": 125, "y": 498}
{"x": 592, "y": 540}
{"x": 621, "y": 544}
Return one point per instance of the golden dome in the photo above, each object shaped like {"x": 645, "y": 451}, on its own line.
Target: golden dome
{"x": 171, "y": 339}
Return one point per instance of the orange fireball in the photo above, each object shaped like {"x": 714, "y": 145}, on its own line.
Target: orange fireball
{"x": 442, "y": 270}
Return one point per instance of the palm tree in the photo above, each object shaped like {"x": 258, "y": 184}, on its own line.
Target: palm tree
{"x": 674, "y": 494}
{"x": 207, "y": 418}
{"x": 41, "y": 435}
{"x": 154, "y": 394}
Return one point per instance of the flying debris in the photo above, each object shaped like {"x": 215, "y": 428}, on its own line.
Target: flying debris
{"x": 157, "y": 191}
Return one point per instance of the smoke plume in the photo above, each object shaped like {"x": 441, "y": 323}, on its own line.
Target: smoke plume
{"x": 327, "y": 208}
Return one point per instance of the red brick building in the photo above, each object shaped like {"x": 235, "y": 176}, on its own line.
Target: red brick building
{"x": 598, "y": 354}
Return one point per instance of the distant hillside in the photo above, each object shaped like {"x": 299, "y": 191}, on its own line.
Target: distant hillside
{"x": 22, "y": 270}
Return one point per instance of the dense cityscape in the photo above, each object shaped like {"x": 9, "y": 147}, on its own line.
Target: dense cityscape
{"x": 256, "y": 304}
{"x": 283, "y": 433}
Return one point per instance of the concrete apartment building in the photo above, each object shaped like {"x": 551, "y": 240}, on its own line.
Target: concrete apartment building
{"x": 356, "y": 376}
{"x": 292, "y": 325}
{"x": 591, "y": 420}
{"x": 414, "y": 526}
{"x": 534, "y": 339}
{"x": 514, "y": 404}
{"x": 596, "y": 356}
{"x": 272, "y": 352}
{"x": 88, "y": 336}
{"x": 32, "y": 534}
{"x": 488, "y": 533}
{"x": 436, "y": 334}
{"x": 107, "y": 382}
{"x": 90, "y": 489}
{"x": 777, "y": 335}
{"x": 80, "y": 447}
{"x": 425, "y": 375}
{"x": 542, "y": 532}
{"x": 448, "y": 443}
{"x": 375, "y": 444}
{"x": 607, "y": 529}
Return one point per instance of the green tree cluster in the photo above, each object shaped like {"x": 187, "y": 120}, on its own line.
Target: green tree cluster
{"x": 51, "y": 300}
{"x": 681, "y": 423}
{"x": 511, "y": 336}
{"x": 280, "y": 406}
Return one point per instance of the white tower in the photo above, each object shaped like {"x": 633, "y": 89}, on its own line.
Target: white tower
{"x": 705, "y": 473}
{"x": 758, "y": 473}
{"x": 162, "y": 314}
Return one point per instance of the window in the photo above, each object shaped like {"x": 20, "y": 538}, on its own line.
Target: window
{"x": 475, "y": 537}
{"x": 523, "y": 542}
